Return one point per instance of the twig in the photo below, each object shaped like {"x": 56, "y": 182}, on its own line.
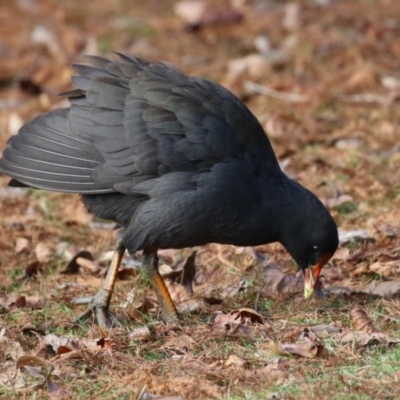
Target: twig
{"x": 276, "y": 94}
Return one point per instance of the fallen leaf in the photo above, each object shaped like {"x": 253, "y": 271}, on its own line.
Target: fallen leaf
{"x": 105, "y": 343}
{"x": 189, "y": 272}
{"x": 20, "y": 302}
{"x": 14, "y": 350}
{"x": 59, "y": 344}
{"x": 199, "y": 14}
{"x": 91, "y": 281}
{"x": 191, "y": 306}
{"x": 291, "y": 17}
{"x": 33, "y": 331}
{"x": 15, "y": 122}
{"x": 79, "y": 260}
{"x": 306, "y": 348}
{"x": 146, "y": 306}
{"x": 348, "y": 143}
{"x": 31, "y": 361}
{"x": 146, "y": 395}
{"x": 183, "y": 273}
{"x": 21, "y": 244}
{"x": 141, "y": 333}
{"x": 75, "y": 213}
{"x": 324, "y": 329}
{"x": 236, "y": 361}
{"x": 230, "y": 324}
{"x": 276, "y": 282}
{"x": 387, "y": 269}
{"x": 382, "y": 288}
{"x": 273, "y": 369}
{"x": 10, "y": 300}
{"x": 191, "y": 11}
{"x": 43, "y": 253}
{"x": 364, "y": 339}
{"x": 336, "y": 201}
{"x": 247, "y": 314}
{"x": 351, "y": 236}
{"x": 360, "y": 320}
{"x": 390, "y": 231}
{"x": 125, "y": 273}
{"x": 55, "y": 390}
{"x": 31, "y": 270}
{"x": 178, "y": 292}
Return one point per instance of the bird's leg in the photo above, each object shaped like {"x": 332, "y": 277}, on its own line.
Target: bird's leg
{"x": 99, "y": 304}
{"x": 150, "y": 267}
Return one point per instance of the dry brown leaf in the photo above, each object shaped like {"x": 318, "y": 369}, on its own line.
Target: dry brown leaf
{"x": 248, "y": 315}
{"x": 360, "y": 320}
{"x": 199, "y": 14}
{"x": 387, "y": 269}
{"x": 31, "y": 361}
{"x": 306, "y": 348}
{"x": 189, "y": 272}
{"x": 21, "y": 244}
{"x": 91, "y": 281}
{"x": 74, "y": 212}
{"x": 191, "y": 306}
{"x": 88, "y": 264}
{"x": 59, "y": 344}
{"x": 351, "y": 236}
{"x": 236, "y": 361}
{"x": 56, "y": 391}
{"x": 105, "y": 343}
{"x": 183, "y": 273}
{"x": 13, "y": 300}
{"x": 273, "y": 369}
{"x": 389, "y": 230}
{"x": 43, "y": 253}
{"x": 31, "y": 270}
{"x": 146, "y": 306}
{"x": 14, "y": 350}
{"x": 276, "y": 282}
{"x": 336, "y": 201}
{"x": 178, "y": 292}
{"x": 382, "y": 288}
{"x": 78, "y": 260}
{"x": 342, "y": 254}
{"x": 364, "y": 339}
{"x": 123, "y": 273}
{"x": 230, "y": 324}
{"x": 141, "y": 333}
{"x": 146, "y": 395}
{"x": 324, "y": 329}
{"x": 361, "y": 78}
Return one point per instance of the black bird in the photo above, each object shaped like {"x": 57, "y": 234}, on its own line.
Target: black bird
{"x": 175, "y": 161}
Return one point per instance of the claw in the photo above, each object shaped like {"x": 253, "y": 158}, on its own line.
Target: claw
{"x": 99, "y": 304}
{"x": 101, "y": 315}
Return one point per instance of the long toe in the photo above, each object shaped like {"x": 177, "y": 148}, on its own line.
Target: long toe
{"x": 98, "y": 310}
{"x": 100, "y": 315}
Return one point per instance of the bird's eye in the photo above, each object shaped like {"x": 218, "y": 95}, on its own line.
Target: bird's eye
{"x": 315, "y": 248}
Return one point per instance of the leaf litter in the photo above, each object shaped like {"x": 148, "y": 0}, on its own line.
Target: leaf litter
{"x": 246, "y": 326}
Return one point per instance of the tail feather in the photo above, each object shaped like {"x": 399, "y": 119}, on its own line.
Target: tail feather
{"x": 47, "y": 155}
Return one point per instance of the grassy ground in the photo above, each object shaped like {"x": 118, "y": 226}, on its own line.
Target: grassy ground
{"x": 329, "y": 72}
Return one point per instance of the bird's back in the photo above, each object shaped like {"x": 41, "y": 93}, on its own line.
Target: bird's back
{"x": 131, "y": 121}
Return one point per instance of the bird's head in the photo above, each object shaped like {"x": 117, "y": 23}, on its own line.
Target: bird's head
{"x": 311, "y": 238}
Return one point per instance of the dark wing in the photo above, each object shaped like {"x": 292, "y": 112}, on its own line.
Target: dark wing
{"x": 131, "y": 121}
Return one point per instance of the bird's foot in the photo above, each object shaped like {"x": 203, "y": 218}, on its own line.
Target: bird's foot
{"x": 98, "y": 310}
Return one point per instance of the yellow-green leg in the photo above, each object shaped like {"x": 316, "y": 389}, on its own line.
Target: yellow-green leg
{"x": 150, "y": 267}
{"x": 99, "y": 304}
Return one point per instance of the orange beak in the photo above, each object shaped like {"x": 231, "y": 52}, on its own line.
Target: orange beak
{"x": 311, "y": 276}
